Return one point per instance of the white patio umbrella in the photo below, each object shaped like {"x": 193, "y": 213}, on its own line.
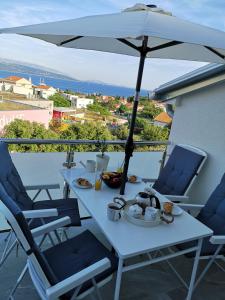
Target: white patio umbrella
{"x": 143, "y": 31}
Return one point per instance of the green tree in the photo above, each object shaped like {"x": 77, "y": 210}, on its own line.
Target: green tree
{"x": 155, "y": 133}
{"x": 87, "y": 131}
{"x": 59, "y": 100}
{"x": 30, "y": 130}
{"x": 123, "y": 109}
{"x": 150, "y": 111}
{"x": 121, "y": 132}
{"x": 98, "y": 107}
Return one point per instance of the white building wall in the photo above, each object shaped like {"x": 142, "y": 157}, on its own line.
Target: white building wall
{"x": 199, "y": 120}
{"x": 83, "y": 102}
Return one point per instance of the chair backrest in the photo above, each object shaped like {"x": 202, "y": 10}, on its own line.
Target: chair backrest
{"x": 11, "y": 181}
{"x": 180, "y": 171}
{"x": 213, "y": 213}
{"x": 19, "y": 225}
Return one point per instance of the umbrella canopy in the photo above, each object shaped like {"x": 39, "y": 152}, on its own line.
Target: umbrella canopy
{"x": 169, "y": 37}
{"x": 143, "y": 31}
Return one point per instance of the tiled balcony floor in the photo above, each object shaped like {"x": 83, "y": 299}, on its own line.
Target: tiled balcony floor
{"x": 156, "y": 282}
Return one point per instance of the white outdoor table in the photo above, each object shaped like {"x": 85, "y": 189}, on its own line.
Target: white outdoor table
{"x": 129, "y": 240}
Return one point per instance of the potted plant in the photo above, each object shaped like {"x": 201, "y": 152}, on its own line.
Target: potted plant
{"x": 102, "y": 159}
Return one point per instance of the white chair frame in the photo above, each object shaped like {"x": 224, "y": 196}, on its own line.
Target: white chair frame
{"x": 10, "y": 245}
{"x": 45, "y": 290}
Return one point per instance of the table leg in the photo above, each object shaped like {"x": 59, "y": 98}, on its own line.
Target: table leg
{"x": 194, "y": 270}
{"x": 118, "y": 279}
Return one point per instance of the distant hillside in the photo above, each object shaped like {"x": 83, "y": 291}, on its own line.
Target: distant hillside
{"x": 19, "y": 67}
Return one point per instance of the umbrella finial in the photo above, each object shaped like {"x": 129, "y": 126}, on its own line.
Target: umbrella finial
{"x": 147, "y": 7}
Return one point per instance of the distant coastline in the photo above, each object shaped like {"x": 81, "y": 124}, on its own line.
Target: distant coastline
{"x": 87, "y": 87}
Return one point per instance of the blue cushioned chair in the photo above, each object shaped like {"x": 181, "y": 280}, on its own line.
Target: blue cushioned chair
{"x": 180, "y": 171}
{"x": 49, "y": 210}
{"x": 68, "y": 270}
{"x": 212, "y": 214}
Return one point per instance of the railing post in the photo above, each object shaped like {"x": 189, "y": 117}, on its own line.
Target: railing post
{"x": 69, "y": 163}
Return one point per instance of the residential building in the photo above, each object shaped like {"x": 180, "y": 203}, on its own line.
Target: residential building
{"x": 163, "y": 120}
{"x": 198, "y": 98}
{"x": 18, "y": 85}
{"x": 78, "y": 102}
{"x": 11, "y": 110}
{"x": 44, "y": 91}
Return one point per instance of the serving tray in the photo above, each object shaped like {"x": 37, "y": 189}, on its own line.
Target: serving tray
{"x": 139, "y": 221}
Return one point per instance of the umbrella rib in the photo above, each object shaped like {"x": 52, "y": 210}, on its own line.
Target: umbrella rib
{"x": 124, "y": 41}
{"x": 70, "y": 40}
{"x": 215, "y": 52}
{"x": 166, "y": 45}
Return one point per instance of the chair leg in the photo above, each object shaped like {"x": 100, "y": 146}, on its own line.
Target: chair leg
{"x": 7, "y": 240}
{"x": 20, "y": 278}
{"x": 98, "y": 294}
{"x": 208, "y": 265}
{"x": 7, "y": 251}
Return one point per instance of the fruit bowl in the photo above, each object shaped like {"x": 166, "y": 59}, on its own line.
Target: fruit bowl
{"x": 112, "y": 179}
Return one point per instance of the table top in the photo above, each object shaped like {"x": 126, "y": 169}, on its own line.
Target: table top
{"x": 129, "y": 239}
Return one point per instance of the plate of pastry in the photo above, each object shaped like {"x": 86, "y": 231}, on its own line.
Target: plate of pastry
{"x": 133, "y": 178}
{"x": 82, "y": 183}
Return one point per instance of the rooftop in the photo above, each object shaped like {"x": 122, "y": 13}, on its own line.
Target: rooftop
{"x": 12, "y": 78}
{"x": 7, "y": 105}
{"x": 163, "y": 117}
{"x": 200, "y": 75}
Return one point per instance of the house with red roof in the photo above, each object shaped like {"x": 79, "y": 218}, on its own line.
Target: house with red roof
{"x": 44, "y": 91}
{"x": 18, "y": 85}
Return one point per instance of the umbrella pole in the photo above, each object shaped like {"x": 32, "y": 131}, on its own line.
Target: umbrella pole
{"x": 129, "y": 147}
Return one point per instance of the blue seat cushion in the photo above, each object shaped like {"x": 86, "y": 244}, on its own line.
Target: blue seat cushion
{"x": 12, "y": 183}
{"x": 66, "y": 207}
{"x": 213, "y": 216}
{"x": 178, "y": 172}
{"x": 74, "y": 255}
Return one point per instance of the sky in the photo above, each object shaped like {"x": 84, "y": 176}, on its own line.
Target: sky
{"x": 98, "y": 66}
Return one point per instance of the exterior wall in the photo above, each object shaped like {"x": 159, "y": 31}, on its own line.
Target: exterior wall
{"x": 40, "y": 116}
{"x": 23, "y": 90}
{"x": 83, "y": 102}
{"x": 199, "y": 120}
{"x": 156, "y": 123}
{"x": 47, "y": 93}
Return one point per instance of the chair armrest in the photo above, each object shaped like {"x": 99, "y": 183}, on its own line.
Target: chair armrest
{"x": 177, "y": 198}
{"x": 51, "y": 226}
{"x": 217, "y": 239}
{"x": 191, "y": 206}
{"x": 77, "y": 279}
{"x": 40, "y": 213}
{"x": 42, "y": 187}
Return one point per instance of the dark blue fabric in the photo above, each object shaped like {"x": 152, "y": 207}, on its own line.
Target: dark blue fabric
{"x": 213, "y": 216}
{"x": 11, "y": 181}
{"x": 75, "y": 255}
{"x": 67, "y": 258}
{"x": 22, "y": 223}
{"x": 178, "y": 172}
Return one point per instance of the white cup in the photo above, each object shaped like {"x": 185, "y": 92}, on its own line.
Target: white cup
{"x": 151, "y": 213}
{"x": 90, "y": 165}
{"x": 113, "y": 211}
{"x": 135, "y": 211}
